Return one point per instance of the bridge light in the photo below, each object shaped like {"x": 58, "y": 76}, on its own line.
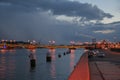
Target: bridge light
{"x": 10, "y": 40}
{"x": 52, "y": 42}
{"x": 28, "y": 40}
{"x": 3, "y": 40}
{"x": 14, "y": 40}
{"x": 72, "y": 42}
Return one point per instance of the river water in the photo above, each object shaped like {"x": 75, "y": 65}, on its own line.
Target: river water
{"x": 15, "y": 64}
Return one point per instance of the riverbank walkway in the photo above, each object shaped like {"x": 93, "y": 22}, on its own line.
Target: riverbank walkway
{"x": 97, "y": 68}
{"x": 106, "y": 68}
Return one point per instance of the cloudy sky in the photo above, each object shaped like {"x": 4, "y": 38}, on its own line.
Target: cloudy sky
{"x": 60, "y": 20}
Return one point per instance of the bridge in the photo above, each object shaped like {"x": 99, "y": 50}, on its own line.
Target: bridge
{"x": 61, "y": 46}
{"x": 35, "y": 46}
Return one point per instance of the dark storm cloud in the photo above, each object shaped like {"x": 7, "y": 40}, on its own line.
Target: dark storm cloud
{"x": 38, "y": 26}
{"x": 34, "y": 19}
{"x": 60, "y": 7}
{"x": 43, "y": 27}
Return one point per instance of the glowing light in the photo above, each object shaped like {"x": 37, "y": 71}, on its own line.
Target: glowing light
{"x": 72, "y": 57}
{"x": 10, "y": 40}
{"x": 52, "y": 42}
{"x": 14, "y": 40}
{"x": 53, "y": 68}
{"x": 4, "y": 46}
{"x": 34, "y": 41}
{"x": 72, "y": 42}
{"x": 28, "y": 40}
{"x": 3, "y": 51}
{"x": 3, "y": 40}
{"x": 32, "y": 50}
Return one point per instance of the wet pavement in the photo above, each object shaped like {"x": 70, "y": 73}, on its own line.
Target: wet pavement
{"x": 105, "y": 68}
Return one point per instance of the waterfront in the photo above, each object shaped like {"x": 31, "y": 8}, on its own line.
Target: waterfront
{"x": 105, "y": 68}
{"x": 15, "y": 64}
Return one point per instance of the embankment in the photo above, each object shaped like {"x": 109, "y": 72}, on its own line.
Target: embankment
{"x": 81, "y": 70}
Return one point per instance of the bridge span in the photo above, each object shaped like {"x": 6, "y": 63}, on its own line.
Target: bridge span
{"x": 34, "y": 46}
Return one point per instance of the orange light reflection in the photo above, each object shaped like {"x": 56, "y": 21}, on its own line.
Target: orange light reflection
{"x": 53, "y": 67}
{"x": 3, "y": 51}
{"x": 72, "y": 57}
{"x": 32, "y": 50}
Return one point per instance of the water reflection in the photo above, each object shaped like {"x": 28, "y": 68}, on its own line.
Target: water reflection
{"x": 2, "y": 68}
{"x": 72, "y": 57}
{"x": 7, "y": 65}
{"x": 3, "y": 51}
{"x": 53, "y": 67}
{"x": 32, "y": 56}
{"x": 12, "y": 50}
{"x": 32, "y": 51}
{"x": 52, "y": 53}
